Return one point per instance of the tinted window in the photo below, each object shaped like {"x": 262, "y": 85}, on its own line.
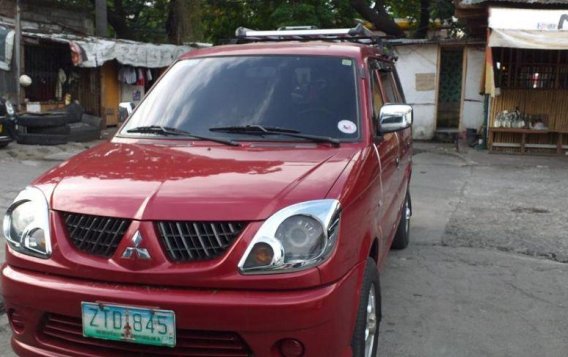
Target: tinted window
{"x": 314, "y": 95}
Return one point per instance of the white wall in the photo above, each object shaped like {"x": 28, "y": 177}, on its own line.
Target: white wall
{"x": 422, "y": 59}
{"x": 412, "y": 60}
{"x": 473, "y": 101}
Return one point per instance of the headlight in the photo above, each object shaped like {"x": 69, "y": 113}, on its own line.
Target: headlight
{"x": 26, "y": 224}
{"x": 295, "y": 238}
{"x": 10, "y": 108}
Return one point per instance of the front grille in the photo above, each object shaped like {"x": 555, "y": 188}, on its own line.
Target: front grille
{"x": 94, "y": 234}
{"x": 67, "y": 332}
{"x": 189, "y": 241}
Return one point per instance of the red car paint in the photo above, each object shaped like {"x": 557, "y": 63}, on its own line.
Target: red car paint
{"x": 149, "y": 180}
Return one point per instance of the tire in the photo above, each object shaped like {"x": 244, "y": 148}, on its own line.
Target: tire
{"x": 402, "y": 236}
{"x": 81, "y": 132}
{"x": 41, "y": 121}
{"x": 74, "y": 113}
{"x": 41, "y": 139}
{"x": 57, "y": 130}
{"x": 370, "y": 289}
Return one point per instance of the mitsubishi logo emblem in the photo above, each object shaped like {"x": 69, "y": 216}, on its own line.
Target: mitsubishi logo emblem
{"x": 134, "y": 251}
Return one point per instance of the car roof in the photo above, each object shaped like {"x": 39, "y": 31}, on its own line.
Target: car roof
{"x": 316, "y": 48}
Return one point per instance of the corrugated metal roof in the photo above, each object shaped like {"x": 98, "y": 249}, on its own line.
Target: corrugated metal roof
{"x": 544, "y": 2}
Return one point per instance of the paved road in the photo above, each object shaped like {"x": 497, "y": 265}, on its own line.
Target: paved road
{"x": 485, "y": 273}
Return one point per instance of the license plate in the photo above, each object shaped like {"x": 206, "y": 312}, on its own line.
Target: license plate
{"x": 129, "y": 324}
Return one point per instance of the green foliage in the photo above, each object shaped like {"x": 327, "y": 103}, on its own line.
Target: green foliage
{"x": 439, "y": 9}
{"x": 145, "y": 20}
{"x": 221, "y": 18}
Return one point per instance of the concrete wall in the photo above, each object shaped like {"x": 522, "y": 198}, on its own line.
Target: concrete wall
{"x": 421, "y": 60}
{"x": 472, "y": 116}
{"x": 418, "y": 71}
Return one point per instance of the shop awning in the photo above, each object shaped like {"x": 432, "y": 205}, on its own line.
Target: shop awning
{"x": 528, "y": 28}
{"x": 97, "y": 50}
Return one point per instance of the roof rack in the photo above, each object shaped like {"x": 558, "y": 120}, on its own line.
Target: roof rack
{"x": 359, "y": 34}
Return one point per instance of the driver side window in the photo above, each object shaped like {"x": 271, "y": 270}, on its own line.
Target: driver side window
{"x": 377, "y": 97}
{"x": 376, "y": 94}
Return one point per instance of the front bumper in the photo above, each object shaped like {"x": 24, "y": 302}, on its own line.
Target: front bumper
{"x": 322, "y": 318}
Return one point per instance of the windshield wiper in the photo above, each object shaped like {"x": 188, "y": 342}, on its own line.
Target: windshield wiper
{"x": 267, "y": 130}
{"x": 166, "y": 131}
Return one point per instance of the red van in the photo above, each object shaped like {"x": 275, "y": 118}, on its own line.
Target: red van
{"x": 245, "y": 208}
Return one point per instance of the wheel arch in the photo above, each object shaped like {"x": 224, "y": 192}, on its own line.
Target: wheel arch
{"x": 374, "y": 250}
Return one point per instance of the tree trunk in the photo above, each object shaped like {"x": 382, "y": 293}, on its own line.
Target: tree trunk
{"x": 117, "y": 19}
{"x": 422, "y": 29}
{"x": 184, "y": 21}
{"x": 378, "y": 16}
{"x": 101, "y": 18}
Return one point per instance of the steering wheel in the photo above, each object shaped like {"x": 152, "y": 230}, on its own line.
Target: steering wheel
{"x": 319, "y": 112}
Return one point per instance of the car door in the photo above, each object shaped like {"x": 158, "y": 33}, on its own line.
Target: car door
{"x": 387, "y": 151}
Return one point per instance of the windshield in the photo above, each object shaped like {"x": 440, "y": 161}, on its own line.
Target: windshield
{"x": 313, "y": 95}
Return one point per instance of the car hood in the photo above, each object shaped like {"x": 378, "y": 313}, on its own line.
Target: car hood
{"x": 199, "y": 181}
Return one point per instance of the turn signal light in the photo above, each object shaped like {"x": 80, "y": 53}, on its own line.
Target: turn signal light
{"x": 260, "y": 255}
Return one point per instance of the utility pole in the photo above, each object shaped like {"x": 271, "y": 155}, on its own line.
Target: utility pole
{"x": 18, "y": 54}
{"x": 101, "y": 18}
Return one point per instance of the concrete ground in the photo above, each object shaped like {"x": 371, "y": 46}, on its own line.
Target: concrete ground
{"x": 485, "y": 272}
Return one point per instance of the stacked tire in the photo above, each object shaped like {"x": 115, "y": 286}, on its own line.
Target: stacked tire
{"x": 58, "y": 128}
{"x": 49, "y": 129}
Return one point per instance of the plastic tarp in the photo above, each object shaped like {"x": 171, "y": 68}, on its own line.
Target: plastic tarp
{"x": 6, "y": 47}
{"x": 528, "y": 28}
{"x": 98, "y": 50}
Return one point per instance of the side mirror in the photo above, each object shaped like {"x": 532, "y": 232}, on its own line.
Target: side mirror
{"x": 395, "y": 117}
{"x": 124, "y": 110}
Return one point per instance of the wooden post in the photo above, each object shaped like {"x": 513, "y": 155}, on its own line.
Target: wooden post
{"x": 18, "y": 54}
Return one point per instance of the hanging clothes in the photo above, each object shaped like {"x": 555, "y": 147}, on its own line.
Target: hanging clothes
{"x": 61, "y": 79}
{"x": 140, "y": 77}
{"x": 127, "y": 74}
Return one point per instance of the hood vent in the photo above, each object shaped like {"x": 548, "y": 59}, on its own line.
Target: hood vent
{"x": 191, "y": 241}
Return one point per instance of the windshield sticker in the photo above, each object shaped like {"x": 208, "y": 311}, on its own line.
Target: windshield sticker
{"x": 347, "y": 127}
{"x": 346, "y": 62}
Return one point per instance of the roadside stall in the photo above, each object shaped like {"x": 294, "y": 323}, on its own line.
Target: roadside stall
{"x": 99, "y": 73}
{"x": 527, "y": 77}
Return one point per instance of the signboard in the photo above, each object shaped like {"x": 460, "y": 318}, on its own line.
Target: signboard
{"x": 528, "y": 19}
{"x": 528, "y": 28}
{"x": 425, "y": 82}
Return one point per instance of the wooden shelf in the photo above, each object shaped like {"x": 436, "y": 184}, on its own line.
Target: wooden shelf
{"x": 514, "y": 140}
{"x": 521, "y": 131}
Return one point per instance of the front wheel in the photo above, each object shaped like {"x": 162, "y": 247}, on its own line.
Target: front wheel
{"x": 366, "y": 335}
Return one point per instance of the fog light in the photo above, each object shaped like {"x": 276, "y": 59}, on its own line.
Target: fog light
{"x": 16, "y": 321}
{"x": 290, "y": 347}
